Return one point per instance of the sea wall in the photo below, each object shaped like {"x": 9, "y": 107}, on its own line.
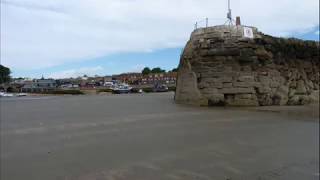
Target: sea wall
{"x": 222, "y": 65}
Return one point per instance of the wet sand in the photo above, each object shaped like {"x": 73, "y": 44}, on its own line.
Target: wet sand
{"x": 149, "y": 137}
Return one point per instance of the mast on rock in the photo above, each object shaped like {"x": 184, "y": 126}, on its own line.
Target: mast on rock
{"x": 229, "y": 14}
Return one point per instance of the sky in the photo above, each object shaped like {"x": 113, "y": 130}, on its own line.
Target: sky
{"x": 59, "y": 38}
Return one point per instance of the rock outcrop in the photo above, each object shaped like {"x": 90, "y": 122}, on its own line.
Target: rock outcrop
{"x": 221, "y": 65}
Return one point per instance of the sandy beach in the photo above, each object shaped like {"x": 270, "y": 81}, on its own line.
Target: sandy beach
{"x": 148, "y": 136}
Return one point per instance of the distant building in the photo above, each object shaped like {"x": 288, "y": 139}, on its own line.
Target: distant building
{"x": 45, "y": 83}
{"x": 39, "y": 85}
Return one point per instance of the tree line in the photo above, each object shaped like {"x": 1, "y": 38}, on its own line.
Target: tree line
{"x": 156, "y": 70}
{"x": 4, "y": 74}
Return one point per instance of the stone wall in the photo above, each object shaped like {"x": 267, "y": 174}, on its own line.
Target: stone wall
{"x": 219, "y": 66}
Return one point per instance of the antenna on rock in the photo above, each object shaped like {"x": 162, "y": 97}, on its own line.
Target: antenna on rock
{"x": 229, "y": 14}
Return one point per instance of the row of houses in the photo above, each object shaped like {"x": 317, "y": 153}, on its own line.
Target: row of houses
{"x": 45, "y": 85}
{"x": 141, "y": 79}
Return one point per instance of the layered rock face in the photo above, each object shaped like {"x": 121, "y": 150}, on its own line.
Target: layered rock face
{"x": 221, "y": 65}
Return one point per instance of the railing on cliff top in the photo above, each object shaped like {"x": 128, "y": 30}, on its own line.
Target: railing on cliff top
{"x": 207, "y": 22}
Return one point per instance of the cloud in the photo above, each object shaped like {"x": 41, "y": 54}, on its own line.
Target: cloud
{"x": 91, "y": 71}
{"x": 32, "y": 6}
{"x": 317, "y": 32}
{"x": 37, "y": 34}
{"x": 136, "y": 68}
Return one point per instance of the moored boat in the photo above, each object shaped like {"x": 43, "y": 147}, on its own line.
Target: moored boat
{"x": 160, "y": 88}
{"x": 3, "y": 94}
{"x": 122, "y": 89}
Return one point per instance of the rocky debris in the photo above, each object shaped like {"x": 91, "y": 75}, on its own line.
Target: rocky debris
{"x": 219, "y": 66}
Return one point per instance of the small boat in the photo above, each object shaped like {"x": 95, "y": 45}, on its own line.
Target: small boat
{"x": 160, "y": 88}
{"x": 21, "y": 94}
{"x": 3, "y": 94}
{"x": 122, "y": 89}
{"x": 136, "y": 90}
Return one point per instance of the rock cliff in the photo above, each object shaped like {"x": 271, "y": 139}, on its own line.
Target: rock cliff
{"x": 223, "y": 65}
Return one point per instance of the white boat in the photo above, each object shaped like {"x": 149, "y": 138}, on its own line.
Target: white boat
{"x": 3, "y": 94}
{"x": 122, "y": 89}
{"x": 21, "y": 94}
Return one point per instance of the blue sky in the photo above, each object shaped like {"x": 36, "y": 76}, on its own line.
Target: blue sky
{"x": 58, "y": 38}
{"x": 111, "y": 64}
